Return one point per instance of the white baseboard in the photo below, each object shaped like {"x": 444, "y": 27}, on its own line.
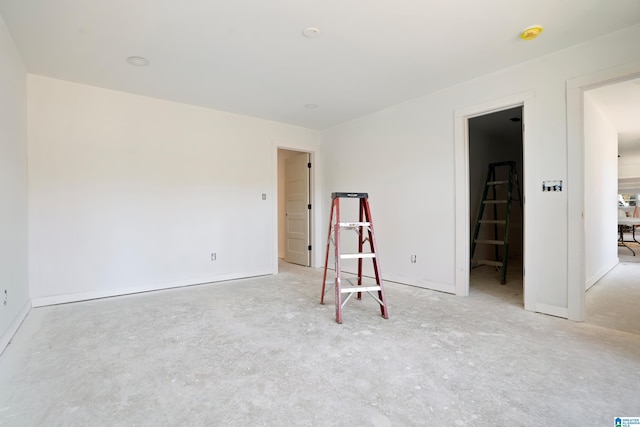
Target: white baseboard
{"x": 107, "y": 293}
{"x": 552, "y": 310}
{"x": 600, "y": 274}
{"x": 13, "y": 328}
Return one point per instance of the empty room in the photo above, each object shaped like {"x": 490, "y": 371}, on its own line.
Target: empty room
{"x": 175, "y": 177}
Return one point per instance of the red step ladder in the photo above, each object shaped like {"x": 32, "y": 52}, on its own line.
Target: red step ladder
{"x": 364, "y": 230}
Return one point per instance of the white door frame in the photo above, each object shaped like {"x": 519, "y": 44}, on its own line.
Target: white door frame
{"x": 312, "y": 199}
{"x": 576, "y": 269}
{"x": 462, "y": 209}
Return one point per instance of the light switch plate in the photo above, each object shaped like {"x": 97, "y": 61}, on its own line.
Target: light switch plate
{"x": 552, "y": 185}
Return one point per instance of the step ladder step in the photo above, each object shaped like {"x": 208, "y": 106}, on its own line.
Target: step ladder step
{"x": 493, "y": 221}
{"x": 354, "y": 224}
{"x": 360, "y": 289}
{"x": 490, "y": 242}
{"x": 497, "y": 182}
{"x": 493, "y": 202}
{"x": 487, "y": 262}
{"x": 361, "y": 255}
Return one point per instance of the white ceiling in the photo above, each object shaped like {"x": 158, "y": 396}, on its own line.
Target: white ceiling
{"x": 250, "y": 57}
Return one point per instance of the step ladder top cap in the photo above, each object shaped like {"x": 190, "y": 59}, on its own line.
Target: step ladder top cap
{"x": 350, "y": 195}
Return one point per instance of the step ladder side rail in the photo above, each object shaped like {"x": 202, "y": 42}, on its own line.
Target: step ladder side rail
{"x": 361, "y": 219}
{"x": 360, "y": 242}
{"x": 494, "y": 177}
{"x": 521, "y": 204}
{"x": 376, "y": 265}
{"x": 336, "y": 242}
{"x": 476, "y": 230}
{"x": 520, "y": 199}
{"x": 326, "y": 257}
{"x": 505, "y": 247}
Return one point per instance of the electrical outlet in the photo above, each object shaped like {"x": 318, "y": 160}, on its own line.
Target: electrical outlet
{"x": 414, "y": 259}
{"x": 264, "y": 196}
{"x": 6, "y": 297}
{"x": 213, "y": 256}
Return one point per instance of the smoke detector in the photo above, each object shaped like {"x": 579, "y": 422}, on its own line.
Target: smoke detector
{"x": 138, "y": 61}
{"x": 311, "y": 32}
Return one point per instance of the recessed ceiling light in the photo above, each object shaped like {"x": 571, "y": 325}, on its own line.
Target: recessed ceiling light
{"x": 138, "y": 61}
{"x": 531, "y": 32}
{"x": 310, "y": 106}
{"x": 311, "y": 32}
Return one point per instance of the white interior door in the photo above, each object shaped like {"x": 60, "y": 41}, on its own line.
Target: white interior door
{"x": 296, "y": 209}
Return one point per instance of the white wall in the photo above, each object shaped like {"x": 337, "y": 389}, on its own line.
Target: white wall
{"x": 629, "y": 167}
{"x": 14, "y": 295}
{"x": 129, "y": 193}
{"x": 404, "y": 157}
{"x": 601, "y": 198}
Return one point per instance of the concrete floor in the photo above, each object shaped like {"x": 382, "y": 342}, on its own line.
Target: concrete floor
{"x": 264, "y": 352}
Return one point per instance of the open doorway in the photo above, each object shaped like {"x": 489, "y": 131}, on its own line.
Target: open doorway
{"x": 496, "y": 205}
{"x": 464, "y": 212}
{"x": 612, "y": 186}
{"x": 294, "y": 207}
